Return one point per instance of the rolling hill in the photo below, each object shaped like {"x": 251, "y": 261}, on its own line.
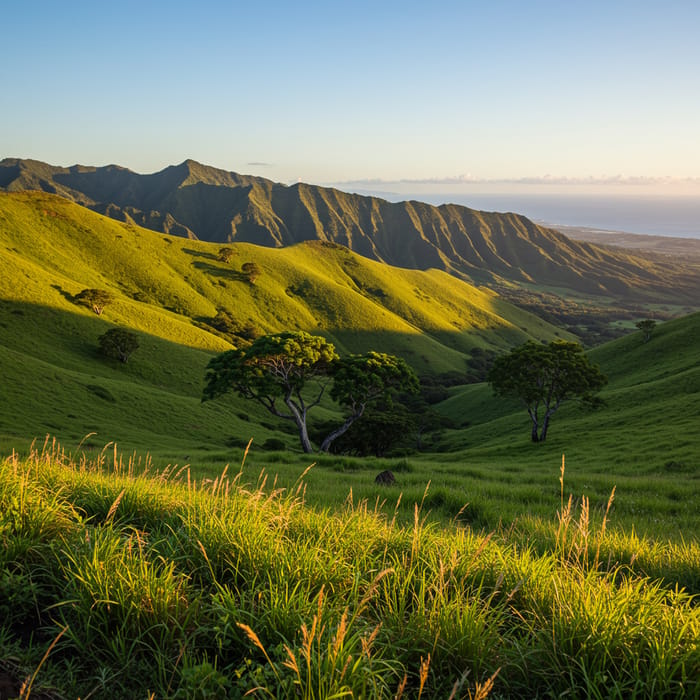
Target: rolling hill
{"x": 169, "y": 289}
{"x": 99, "y": 541}
{"x": 648, "y": 424}
{"x": 195, "y": 201}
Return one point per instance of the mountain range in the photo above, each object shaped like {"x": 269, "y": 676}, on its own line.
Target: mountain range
{"x": 504, "y": 250}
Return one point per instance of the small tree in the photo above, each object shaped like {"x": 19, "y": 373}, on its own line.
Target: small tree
{"x": 118, "y": 343}
{"x": 96, "y": 299}
{"x": 543, "y": 377}
{"x": 646, "y": 326}
{"x": 226, "y": 254}
{"x": 225, "y": 322}
{"x": 377, "y": 432}
{"x": 252, "y": 271}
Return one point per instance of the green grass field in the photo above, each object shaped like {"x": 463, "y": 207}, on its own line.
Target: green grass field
{"x": 151, "y": 542}
{"x": 117, "y": 583}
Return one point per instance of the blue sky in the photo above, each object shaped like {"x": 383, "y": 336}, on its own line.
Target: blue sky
{"x": 441, "y": 94}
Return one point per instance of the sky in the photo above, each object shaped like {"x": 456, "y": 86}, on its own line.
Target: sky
{"x": 373, "y": 95}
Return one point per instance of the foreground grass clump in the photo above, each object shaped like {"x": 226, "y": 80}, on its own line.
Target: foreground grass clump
{"x": 118, "y": 581}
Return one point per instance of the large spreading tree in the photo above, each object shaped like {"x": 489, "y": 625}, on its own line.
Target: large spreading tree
{"x": 543, "y": 377}
{"x": 288, "y": 373}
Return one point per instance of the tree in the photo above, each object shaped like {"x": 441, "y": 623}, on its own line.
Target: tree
{"x": 226, "y": 323}
{"x": 295, "y": 369}
{"x": 646, "y": 326}
{"x": 363, "y": 379}
{"x": 252, "y": 271}
{"x": 118, "y": 343}
{"x": 96, "y": 299}
{"x": 226, "y": 254}
{"x": 377, "y": 432}
{"x": 291, "y": 367}
{"x": 543, "y": 377}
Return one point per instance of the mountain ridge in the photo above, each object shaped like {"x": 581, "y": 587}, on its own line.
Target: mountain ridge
{"x": 197, "y": 201}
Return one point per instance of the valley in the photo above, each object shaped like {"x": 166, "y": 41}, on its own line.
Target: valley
{"x": 113, "y": 459}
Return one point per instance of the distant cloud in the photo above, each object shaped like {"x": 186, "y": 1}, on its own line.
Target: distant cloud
{"x": 461, "y": 180}
{"x": 533, "y": 180}
{"x": 260, "y": 164}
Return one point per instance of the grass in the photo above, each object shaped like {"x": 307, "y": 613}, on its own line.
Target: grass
{"x": 166, "y": 289}
{"x": 150, "y": 583}
{"x": 124, "y": 574}
{"x": 164, "y": 286}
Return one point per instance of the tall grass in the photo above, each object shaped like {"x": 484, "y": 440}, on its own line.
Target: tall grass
{"x": 164, "y": 586}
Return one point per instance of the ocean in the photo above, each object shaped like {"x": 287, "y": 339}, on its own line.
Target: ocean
{"x": 657, "y": 215}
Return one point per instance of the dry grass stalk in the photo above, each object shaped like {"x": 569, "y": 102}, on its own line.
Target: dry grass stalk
{"x": 423, "y": 674}
{"x": 113, "y": 508}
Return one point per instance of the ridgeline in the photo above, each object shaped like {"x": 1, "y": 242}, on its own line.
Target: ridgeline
{"x": 200, "y": 202}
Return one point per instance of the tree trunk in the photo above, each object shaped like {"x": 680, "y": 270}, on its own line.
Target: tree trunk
{"x": 304, "y": 437}
{"x": 534, "y": 436}
{"x": 300, "y": 420}
{"x": 545, "y": 425}
{"x": 326, "y": 444}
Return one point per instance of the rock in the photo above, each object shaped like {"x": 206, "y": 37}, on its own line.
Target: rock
{"x": 386, "y": 478}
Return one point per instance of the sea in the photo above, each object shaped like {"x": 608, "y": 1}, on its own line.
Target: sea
{"x": 658, "y": 215}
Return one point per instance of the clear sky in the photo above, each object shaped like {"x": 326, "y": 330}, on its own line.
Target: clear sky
{"x": 368, "y": 92}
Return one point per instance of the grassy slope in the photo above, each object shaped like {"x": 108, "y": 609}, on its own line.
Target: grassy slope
{"x": 154, "y": 586}
{"x": 645, "y": 444}
{"x": 54, "y": 381}
{"x": 574, "y": 631}
{"x": 195, "y": 200}
{"x": 645, "y": 441}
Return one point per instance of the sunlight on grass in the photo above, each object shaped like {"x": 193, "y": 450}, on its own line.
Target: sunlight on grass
{"x": 165, "y": 583}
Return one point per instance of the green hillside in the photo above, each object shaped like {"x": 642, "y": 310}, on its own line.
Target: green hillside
{"x": 168, "y": 289}
{"x": 197, "y": 201}
{"x": 147, "y": 552}
{"x": 645, "y": 440}
{"x": 651, "y": 413}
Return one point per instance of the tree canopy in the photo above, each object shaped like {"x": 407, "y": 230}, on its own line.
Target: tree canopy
{"x": 118, "y": 343}
{"x": 646, "y": 326}
{"x": 543, "y": 377}
{"x": 252, "y": 271}
{"x": 288, "y": 373}
{"x": 359, "y": 380}
{"x": 96, "y": 299}
{"x": 226, "y": 254}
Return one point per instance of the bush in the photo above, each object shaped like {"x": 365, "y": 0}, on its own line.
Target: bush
{"x": 96, "y": 299}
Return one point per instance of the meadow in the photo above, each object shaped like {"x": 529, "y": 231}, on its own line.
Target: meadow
{"x": 157, "y": 546}
{"x": 122, "y": 581}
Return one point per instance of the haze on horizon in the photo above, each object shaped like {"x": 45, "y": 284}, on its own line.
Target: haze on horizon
{"x": 542, "y": 96}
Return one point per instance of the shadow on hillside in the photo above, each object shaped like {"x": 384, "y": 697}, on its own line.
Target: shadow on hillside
{"x": 65, "y": 294}
{"x": 224, "y": 272}
{"x": 59, "y": 384}
{"x": 199, "y": 254}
